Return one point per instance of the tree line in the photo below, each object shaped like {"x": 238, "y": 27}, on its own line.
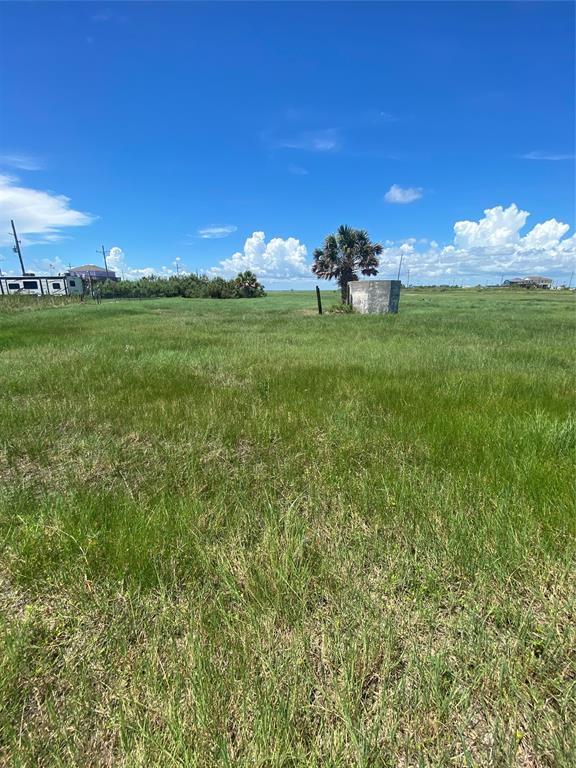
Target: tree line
{"x": 191, "y": 286}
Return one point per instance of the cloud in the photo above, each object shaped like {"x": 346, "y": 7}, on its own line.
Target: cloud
{"x": 297, "y": 170}
{"x": 52, "y": 265}
{"x": 115, "y": 258}
{"x": 103, "y": 17}
{"x": 38, "y": 213}
{"x": 500, "y": 226}
{"x": 326, "y": 140}
{"x": 22, "y": 162}
{"x": 211, "y": 233}
{"x": 278, "y": 259}
{"x": 493, "y": 245}
{"x": 117, "y": 262}
{"x": 403, "y": 195}
{"x": 484, "y": 249}
{"x": 539, "y": 155}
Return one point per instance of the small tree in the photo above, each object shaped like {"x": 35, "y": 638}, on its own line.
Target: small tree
{"x": 345, "y": 254}
{"x": 248, "y": 285}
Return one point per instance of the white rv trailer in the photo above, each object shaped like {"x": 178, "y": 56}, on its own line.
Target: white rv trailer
{"x": 41, "y": 285}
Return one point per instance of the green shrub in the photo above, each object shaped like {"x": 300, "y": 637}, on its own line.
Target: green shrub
{"x": 190, "y": 286}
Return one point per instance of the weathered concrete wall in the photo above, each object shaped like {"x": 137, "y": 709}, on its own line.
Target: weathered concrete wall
{"x": 374, "y": 297}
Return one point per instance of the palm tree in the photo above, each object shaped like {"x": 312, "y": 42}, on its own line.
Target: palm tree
{"x": 248, "y": 285}
{"x": 344, "y": 255}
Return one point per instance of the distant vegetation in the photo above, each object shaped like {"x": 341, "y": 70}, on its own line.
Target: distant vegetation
{"x": 344, "y": 255}
{"x": 190, "y": 286}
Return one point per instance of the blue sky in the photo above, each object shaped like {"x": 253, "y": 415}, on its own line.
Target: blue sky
{"x": 234, "y": 135}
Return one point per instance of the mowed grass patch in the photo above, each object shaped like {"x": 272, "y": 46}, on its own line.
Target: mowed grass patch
{"x": 236, "y": 533}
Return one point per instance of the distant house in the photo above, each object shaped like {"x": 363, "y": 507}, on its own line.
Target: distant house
{"x": 93, "y": 273}
{"x": 534, "y": 281}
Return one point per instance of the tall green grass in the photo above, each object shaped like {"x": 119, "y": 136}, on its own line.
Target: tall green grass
{"x": 237, "y": 533}
{"x": 26, "y": 302}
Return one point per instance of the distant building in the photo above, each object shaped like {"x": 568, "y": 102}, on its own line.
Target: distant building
{"x": 91, "y": 272}
{"x": 534, "y": 281}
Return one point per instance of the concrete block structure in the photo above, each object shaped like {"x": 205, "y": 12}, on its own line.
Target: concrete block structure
{"x": 374, "y": 297}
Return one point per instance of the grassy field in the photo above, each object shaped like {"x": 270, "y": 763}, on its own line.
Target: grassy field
{"x": 235, "y": 533}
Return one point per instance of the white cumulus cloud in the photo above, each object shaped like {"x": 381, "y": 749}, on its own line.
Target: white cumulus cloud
{"x": 40, "y": 214}
{"x": 403, "y": 195}
{"x": 500, "y": 226}
{"x": 116, "y": 258}
{"x": 117, "y": 263}
{"x": 277, "y": 259}
{"x": 492, "y": 246}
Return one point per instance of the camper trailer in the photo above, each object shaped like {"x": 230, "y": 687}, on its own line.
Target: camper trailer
{"x": 41, "y": 285}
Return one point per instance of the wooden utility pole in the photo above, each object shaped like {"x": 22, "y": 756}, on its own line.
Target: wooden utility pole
{"x": 105, "y": 262}
{"x": 17, "y": 247}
